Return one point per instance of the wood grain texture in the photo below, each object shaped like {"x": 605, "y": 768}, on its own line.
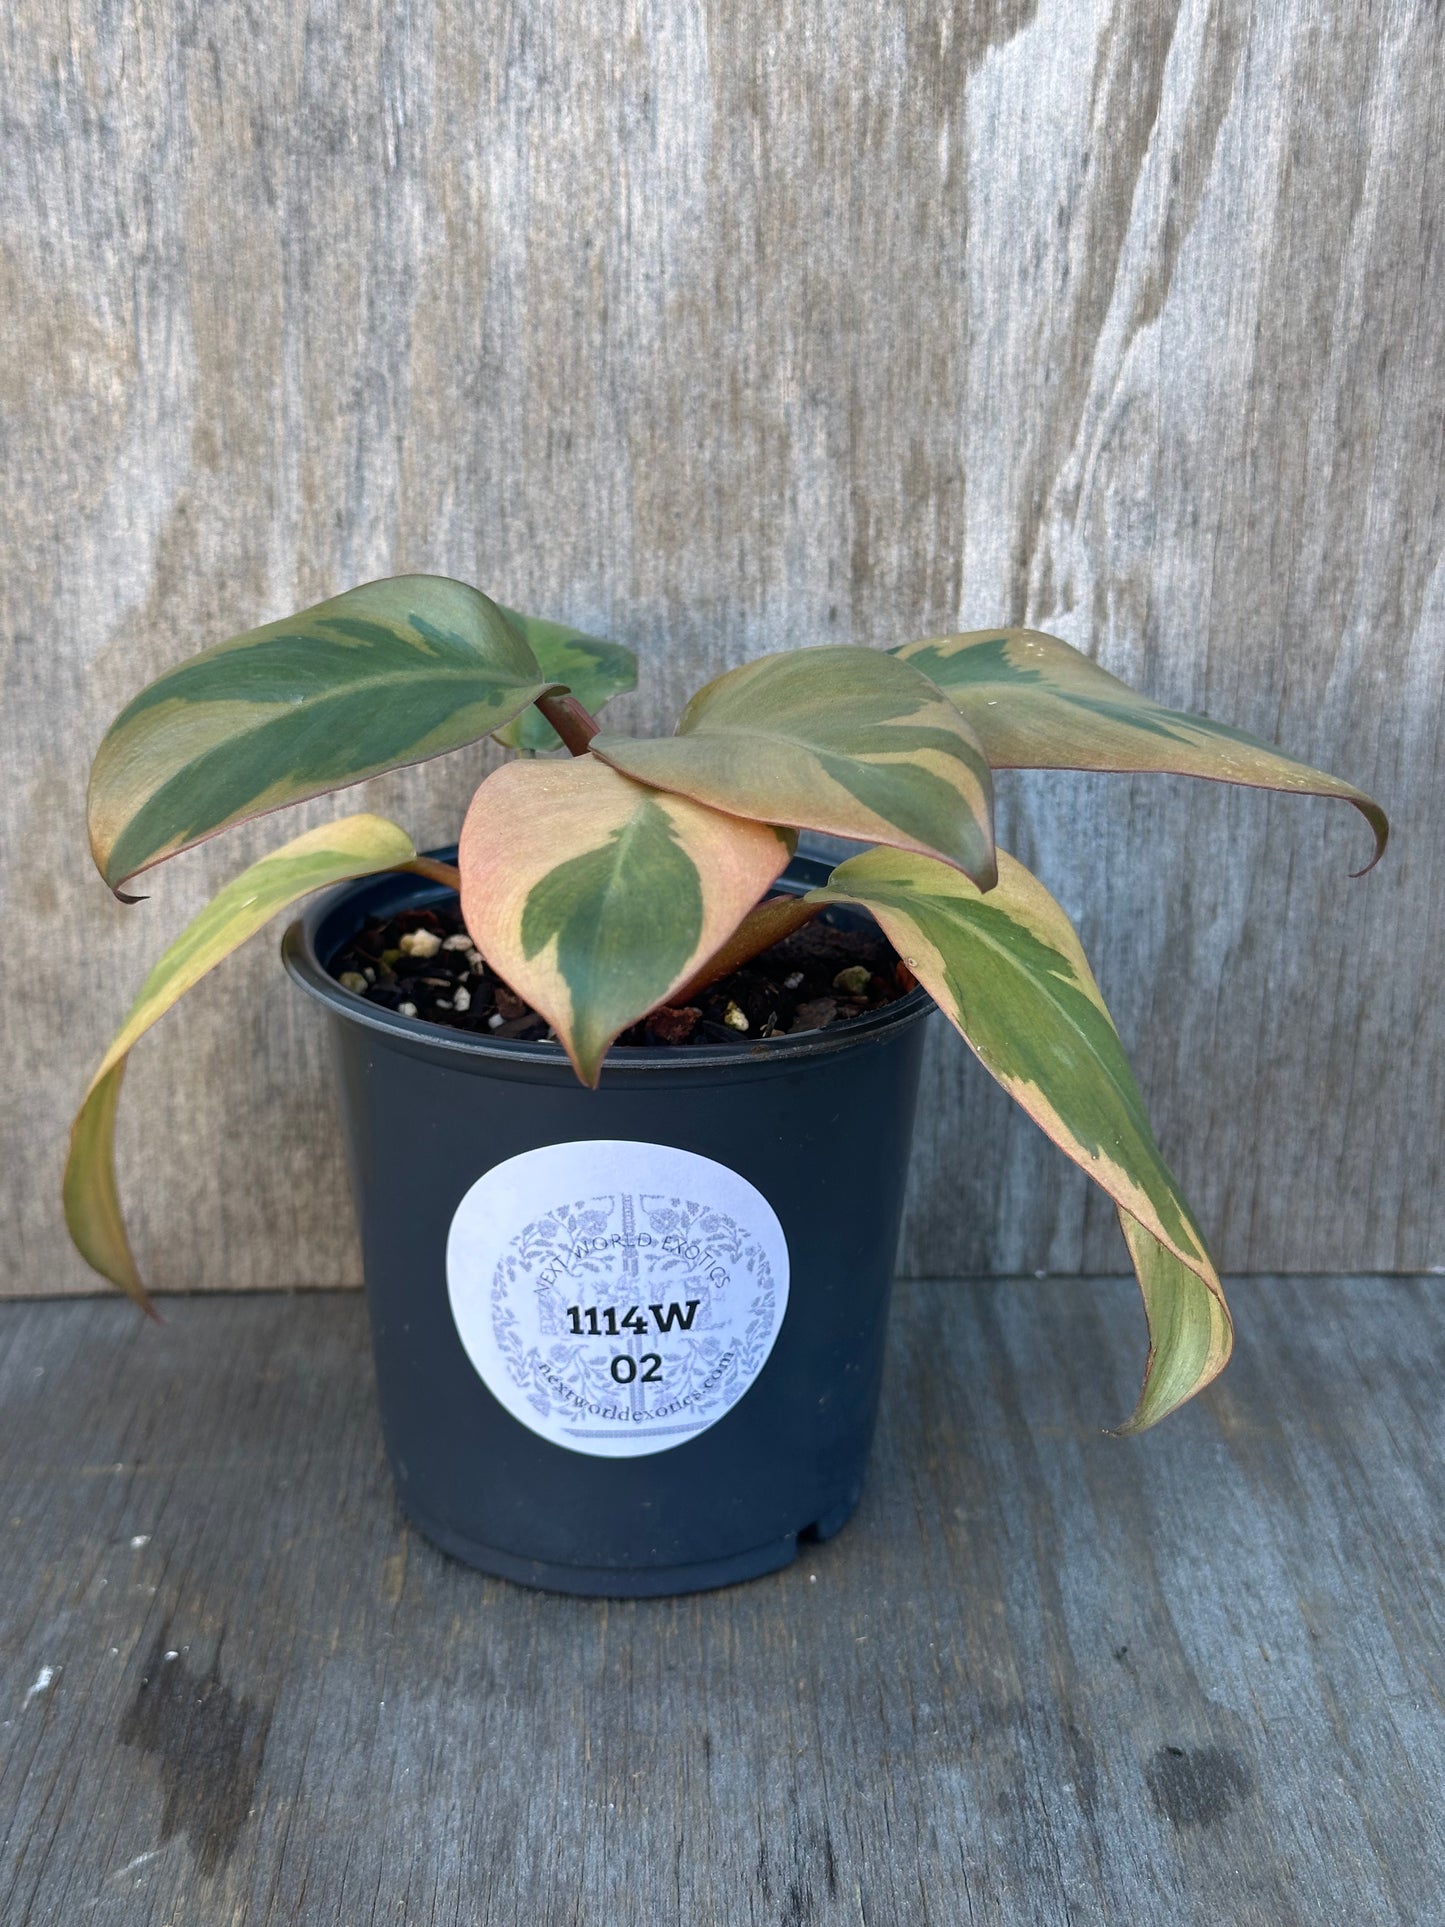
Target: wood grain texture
{"x": 1044, "y": 1675}
{"x": 720, "y": 330}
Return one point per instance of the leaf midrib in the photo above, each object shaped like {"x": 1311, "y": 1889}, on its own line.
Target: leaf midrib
{"x": 277, "y": 711}
{"x": 621, "y": 840}
{"x": 983, "y": 936}
{"x": 751, "y": 733}
{"x": 282, "y": 705}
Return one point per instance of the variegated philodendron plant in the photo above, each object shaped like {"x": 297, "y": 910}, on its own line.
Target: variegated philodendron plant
{"x": 603, "y": 884}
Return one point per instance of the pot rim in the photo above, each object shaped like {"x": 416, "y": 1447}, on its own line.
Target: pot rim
{"x": 301, "y": 956}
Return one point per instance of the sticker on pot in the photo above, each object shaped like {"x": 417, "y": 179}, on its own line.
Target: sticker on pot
{"x": 617, "y": 1298}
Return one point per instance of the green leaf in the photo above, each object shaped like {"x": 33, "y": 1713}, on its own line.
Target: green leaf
{"x": 391, "y": 673}
{"x": 355, "y": 846}
{"x": 1037, "y": 703}
{"x": 848, "y": 741}
{"x": 1008, "y": 972}
{"x": 595, "y": 898}
{"x": 593, "y": 670}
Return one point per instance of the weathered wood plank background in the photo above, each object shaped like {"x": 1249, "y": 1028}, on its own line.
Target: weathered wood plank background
{"x": 1043, "y": 1677}
{"x": 718, "y": 329}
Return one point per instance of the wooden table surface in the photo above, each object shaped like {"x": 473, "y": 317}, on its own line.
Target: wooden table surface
{"x": 1045, "y": 1675}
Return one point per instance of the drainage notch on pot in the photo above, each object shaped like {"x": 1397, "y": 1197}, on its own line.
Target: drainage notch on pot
{"x": 628, "y": 1341}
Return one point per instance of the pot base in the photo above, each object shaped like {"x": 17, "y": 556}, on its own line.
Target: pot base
{"x": 646, "y": 1582}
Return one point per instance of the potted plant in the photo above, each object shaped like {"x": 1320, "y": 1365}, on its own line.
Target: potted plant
{"x": 628, "y": 1297}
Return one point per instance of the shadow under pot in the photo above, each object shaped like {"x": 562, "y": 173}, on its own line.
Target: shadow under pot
{"x": 628, "y": 1341}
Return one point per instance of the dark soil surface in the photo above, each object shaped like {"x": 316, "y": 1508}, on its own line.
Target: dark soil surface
{"x": 423, "y": 964}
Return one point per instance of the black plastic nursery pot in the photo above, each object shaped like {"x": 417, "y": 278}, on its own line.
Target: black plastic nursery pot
{"x": 628, "y": 1341}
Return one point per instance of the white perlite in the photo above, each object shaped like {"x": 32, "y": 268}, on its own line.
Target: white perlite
{"x": 421, "y": 943}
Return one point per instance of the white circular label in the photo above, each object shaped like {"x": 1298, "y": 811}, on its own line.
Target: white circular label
{"x": 618, "y": 1298}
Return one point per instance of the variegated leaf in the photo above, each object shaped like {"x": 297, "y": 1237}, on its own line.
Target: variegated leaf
{"x": 1037, "y": 703}
{"x": 848, "y": 741}
{"x": 1009, "y": 973}
{"x": 595, "y": 898}
{"x": 593, "y": 670}
{"x": 355, "y": 846}
{"x": 387, "y": 674}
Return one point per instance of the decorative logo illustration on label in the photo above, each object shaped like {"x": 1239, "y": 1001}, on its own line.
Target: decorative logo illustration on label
{"x": 618, "y": 1298}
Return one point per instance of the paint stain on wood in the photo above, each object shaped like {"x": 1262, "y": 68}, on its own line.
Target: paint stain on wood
{"x": 208, "y": 1744}
{"x": 1199, "y": 1788}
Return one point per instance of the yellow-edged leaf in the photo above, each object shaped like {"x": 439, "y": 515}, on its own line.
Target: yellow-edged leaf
{"x": 354, "y": 846}
{"x": 393, "y": 672}
{"x": 1037, "y": 703}
{"x": 593, "y": 670}
{"x": 1008, "y": 971}
{"x": 1190, "y": 1333}
{"x": 852, "y": 742}
{"x": 595, "y": 897}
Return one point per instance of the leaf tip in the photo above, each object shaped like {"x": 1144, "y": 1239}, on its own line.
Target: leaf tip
{"x": 588, "y": 1066}
{"x": 1380, "y": 825}
{"x": 102, "y": 855}
{"x": 1129, "y": 1428}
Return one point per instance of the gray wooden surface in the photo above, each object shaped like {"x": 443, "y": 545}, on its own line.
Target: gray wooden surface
{"x": 1043, "y": 1676}
{"x": 721, "y": 329}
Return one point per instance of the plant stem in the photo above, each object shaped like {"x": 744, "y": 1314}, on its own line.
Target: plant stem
{"x": 759, "y": 930}
{"x": 574, "y": 724}
{"x": 428, "y": 866}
